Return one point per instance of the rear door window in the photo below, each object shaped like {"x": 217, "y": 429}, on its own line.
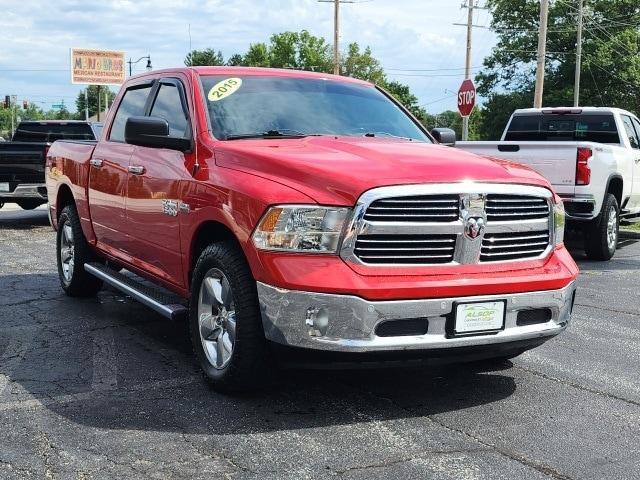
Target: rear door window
{"x": 132, "y": 105}
{"x": 631, "y": 132}
{"x": 599, "y": 128}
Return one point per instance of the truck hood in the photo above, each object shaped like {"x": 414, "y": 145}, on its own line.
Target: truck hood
{"x": 337, "y": 170}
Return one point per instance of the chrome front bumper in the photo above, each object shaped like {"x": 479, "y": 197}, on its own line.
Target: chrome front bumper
{"x": 344, "y": 323}
{"x": 27, "y": 191}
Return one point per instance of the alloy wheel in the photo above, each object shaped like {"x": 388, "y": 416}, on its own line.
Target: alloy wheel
{"x": 612, "y": 228}
{"x": 67, "y": 252}
{"x": 217, "y": 318}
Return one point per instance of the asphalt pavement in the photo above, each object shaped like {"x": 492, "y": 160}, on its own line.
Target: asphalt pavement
{"x": 105, "y": 388}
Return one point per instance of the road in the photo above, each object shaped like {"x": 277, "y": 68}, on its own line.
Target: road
{"x": 104, "y": 388}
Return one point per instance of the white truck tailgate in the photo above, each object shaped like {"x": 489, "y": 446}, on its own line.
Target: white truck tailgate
{"x": 556, "y": 161}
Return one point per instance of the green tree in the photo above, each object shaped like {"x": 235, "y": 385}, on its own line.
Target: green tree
{"x": 209, "y": 56}
{"x": 59, "y": 114}
{"x": 33, "y": 112}
{"x": 402, "y": 93}
{"x": 94, "y": 92}
{"x": 362, "y": 65}
{"x": 235, "y": 60}
{"x": 257, "y": 56}
{"x": 453, "y": 120}
{"x": 611, "y": 57}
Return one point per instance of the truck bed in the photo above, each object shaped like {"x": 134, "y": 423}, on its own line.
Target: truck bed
{"x": 22, "y": 162}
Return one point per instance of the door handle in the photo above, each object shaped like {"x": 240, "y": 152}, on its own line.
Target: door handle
{"x": 136, "y": 169}
{"x": 96, "y": 162}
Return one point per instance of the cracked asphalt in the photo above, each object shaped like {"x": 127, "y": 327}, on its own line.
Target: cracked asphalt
{"x": 104, "y": 388}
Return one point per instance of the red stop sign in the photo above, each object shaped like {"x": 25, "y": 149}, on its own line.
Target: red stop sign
{"x": 466, "y": 98}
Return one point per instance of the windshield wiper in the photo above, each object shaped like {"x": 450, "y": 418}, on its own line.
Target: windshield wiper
{"x": 282, "y": 133}
{"x": 386, "y": 134}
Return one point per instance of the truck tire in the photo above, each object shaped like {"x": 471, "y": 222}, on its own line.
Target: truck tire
{"x": 225, "y": 321}
{"x": 72, "y": 252}
{"x": 29, "y": 204}
{"x": 601, "y": 236}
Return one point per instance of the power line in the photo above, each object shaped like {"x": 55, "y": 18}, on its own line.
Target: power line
{"x": 429, "y": 69}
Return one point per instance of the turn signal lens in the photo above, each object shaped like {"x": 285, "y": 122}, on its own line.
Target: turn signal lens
{"x": 297, "y": 228}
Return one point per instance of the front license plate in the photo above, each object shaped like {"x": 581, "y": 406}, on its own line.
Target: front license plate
{"x": 4, "y": 187}
{"x": 479, "y": 317}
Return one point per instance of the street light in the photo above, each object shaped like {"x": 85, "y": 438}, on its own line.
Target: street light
{"x": 131, "y": 63}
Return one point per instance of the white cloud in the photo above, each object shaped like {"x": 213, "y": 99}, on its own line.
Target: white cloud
{"x": 406, "y": 35}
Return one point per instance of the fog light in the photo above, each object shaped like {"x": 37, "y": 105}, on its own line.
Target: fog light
{"x": 317, "y": 320}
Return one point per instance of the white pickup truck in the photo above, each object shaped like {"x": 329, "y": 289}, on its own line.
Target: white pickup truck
{"x": 592, "y": 158}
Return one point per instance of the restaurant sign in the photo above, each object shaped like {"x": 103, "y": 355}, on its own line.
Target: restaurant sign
{"x": 97, "y": 67}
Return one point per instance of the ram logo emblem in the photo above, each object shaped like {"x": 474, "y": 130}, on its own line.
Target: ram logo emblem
{"x": 474, "y": 228}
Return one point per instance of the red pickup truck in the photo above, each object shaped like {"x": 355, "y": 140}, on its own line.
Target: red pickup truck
{"x": 285, "y": 210}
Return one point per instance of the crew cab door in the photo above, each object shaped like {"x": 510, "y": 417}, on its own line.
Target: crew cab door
{"x": 632, "y": 132}
{"x": 109, "y": 172}
{"x": 634, "y": 203}
{"x": 156, "y": 176}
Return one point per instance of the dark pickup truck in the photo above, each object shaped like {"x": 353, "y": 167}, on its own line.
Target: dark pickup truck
{"x": 22, "y": 160}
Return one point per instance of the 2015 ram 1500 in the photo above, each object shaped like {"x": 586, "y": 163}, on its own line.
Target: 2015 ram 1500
{"x": 305, "y": 210}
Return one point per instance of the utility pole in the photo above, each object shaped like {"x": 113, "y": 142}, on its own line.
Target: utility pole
{"x": 467, "y": 64}
{"x": 13, "y": 112}
{"x": 86, "y": 104}
{"x": 576, "y": 87}
{"x": 336, "y": 32}
{"x": 542, "y": 53}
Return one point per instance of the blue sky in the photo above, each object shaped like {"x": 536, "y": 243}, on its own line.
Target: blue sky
{"x": 415, "y": 40}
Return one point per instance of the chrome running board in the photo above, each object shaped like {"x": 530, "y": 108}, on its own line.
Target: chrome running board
{"x": 166, "y": 304}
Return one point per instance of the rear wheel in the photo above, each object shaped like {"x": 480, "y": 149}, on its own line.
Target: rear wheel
{"x": 225, "y": 321}
{"x": 29, "y": 204}
{"x": 601, "y": 236}
{"x": 73, "y": 252}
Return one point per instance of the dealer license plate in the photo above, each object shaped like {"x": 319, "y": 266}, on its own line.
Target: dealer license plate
{"x": 4, "y": 187}
{"x": 479, "y": 317}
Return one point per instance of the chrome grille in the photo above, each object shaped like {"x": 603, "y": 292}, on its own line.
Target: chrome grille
{"x": 502, "y": 208}
{"x": 423, "y": 208}
{"x": 465, "y": 223}
{"x": 513, "y": 246}
{"x": 405, "y": 249}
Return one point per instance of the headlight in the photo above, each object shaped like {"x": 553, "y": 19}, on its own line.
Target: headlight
{"x": 558, "y": 222}
{"x": 299, "y": 228}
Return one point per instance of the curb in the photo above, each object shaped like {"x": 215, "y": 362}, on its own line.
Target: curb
{"x": 629, "y": 234}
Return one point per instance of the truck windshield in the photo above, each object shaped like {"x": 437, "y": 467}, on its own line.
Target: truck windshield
{"x": 255, "y": 106}
{"x": 43, "y": 132}
{"x": 598, "y": 128}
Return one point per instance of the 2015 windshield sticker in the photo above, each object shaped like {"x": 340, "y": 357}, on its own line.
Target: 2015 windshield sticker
{"x": 224, "y": 88}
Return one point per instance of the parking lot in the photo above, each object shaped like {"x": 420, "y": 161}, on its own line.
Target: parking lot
{"x": 104, "y": 388}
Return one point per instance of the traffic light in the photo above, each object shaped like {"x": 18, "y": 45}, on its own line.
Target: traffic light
{"x": 25, "y": 104}
{"x": 7, "y": 101}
